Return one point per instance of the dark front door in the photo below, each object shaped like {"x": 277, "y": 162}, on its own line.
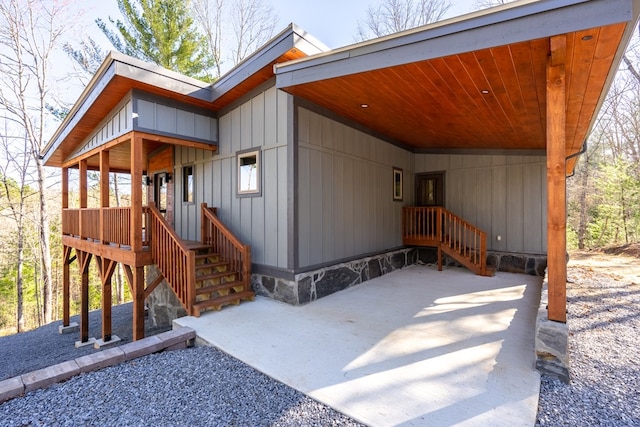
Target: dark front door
{"x": 430, "y": 189}
{"x": 160, "y": 191}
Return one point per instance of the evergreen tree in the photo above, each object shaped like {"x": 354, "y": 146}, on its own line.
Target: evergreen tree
{"x": 162, "y": 32}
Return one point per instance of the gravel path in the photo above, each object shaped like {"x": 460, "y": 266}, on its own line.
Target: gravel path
{"x": 197, "y": 387}
{"x": 604, "y": 327}
{"x": 42, "y": 347}
{"x": 194, "y": 387}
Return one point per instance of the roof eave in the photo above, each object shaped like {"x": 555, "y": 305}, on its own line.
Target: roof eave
{"x": 118, "y": 64}
{"x": 512, "y": 23}
{"x": 291, "y": 37}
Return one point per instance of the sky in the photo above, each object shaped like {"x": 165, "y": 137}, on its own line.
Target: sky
{"x": 333, "y": 22}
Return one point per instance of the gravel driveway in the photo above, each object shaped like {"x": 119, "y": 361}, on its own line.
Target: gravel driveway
{"x": 603, "y": 296}
{"x": 203, "y": 386}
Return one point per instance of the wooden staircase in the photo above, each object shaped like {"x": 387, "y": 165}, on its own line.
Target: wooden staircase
{"x": 216, "y": 283}
{"x": 437, "y": 227}
{"x": 203, "y": 275}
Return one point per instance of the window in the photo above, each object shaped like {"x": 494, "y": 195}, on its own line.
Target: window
{"x": 249, "y": 173}
{"x": 397, "y": 184}
{"x": 187, "y": 184}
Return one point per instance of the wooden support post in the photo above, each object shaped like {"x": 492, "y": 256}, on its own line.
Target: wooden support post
{"x": 83, "y": 193}
{"x": 104, "y": 191}
{"x": 137, "y": 162}
{"x": 138, "y": 303}
{"x": 65, "y": 188}
{"x": 106, "y": 267}
{"x": 556, "y": 181}
{"x": 84, "y": 259}
{"x": 66, "y": 294}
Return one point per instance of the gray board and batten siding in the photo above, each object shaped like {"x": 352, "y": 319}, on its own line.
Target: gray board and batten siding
{"x": 503, "y": 195}
{"x": 261, "y": 122}
{"x": 139, "y": 111}
{"x": 345, "y": 191}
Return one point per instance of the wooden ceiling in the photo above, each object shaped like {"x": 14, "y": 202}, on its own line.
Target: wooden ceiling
{"x": 486, "y": 99}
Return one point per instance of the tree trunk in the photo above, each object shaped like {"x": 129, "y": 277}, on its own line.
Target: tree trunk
{"x": 582, "y": 199}
{"x": 45, "y": 250}
{"x": 19, "y": 280}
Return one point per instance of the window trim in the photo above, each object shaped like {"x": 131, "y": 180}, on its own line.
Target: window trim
{"x": 184, "y": 184}
{"x": 244, "y": 154}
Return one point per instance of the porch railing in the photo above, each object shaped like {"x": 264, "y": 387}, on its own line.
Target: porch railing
{"x": 116, "y": 224}
{"x": 174, "y": 260}
{"x": 215, "y": 234}
{"x": 436, "y": 226}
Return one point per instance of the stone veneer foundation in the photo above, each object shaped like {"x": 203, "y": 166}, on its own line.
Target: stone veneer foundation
{"x": 309, "y": 286}
{"x": 551, "y": 346}
{"x": 312, "y": 285}
{"x": 163, "y": 304}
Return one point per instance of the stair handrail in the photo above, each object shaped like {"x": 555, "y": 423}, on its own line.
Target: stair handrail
{"x": 216, "y": 234}
{"x": 475, "y": 249}
{"x": 174, "y": 259}
{"x": 440, "y": 227}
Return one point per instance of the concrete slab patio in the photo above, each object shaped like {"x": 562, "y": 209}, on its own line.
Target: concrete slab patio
{"x": 415, "y": 347}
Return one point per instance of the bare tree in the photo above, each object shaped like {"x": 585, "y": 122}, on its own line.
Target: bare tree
{"x": 484, "y": 4}
{"x": 234, "y": 28}
{"x": 14, "y": 175}
{"x": 254, "y": 22}
{"x": 392, "y": 16}
{"x": 209, "y": 15}
{"x": 29, "y": 33}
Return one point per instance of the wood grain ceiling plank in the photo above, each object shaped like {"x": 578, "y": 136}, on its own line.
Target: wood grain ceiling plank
{"x": 523, "y": 55}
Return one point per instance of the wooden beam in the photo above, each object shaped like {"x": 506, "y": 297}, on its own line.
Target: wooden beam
{"x": 106, "y": 267}
{"x": 104, "y": 190}
{"x": 153, "y": 285}
{"x": 123, "y": 255}
{"x": 66, "y": 294}
{"x": 137, "y": 165}
{"x": 556, "y": 181}
{"x": 138, "y": 303}
{"x": 65, "y": 188}
{"x": 83, "y": 192}
{"x": 84, "y": 260}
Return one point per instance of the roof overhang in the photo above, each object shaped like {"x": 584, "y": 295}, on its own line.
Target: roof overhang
{"x": 473, "y": 83}
{"x": 119, "y": 74}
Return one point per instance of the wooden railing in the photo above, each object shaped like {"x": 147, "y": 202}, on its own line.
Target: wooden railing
{"x": 116, "y": 225}
{"x": 436, "y": 226}
{"x": 215, "y": 234}
{"x": 174, "y": 260}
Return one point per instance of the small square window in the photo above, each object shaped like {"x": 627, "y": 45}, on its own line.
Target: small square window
{"x": 187, "y": 184}
{"x": 249, "y": 173}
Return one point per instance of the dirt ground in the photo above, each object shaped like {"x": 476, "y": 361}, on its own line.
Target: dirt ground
{"x": 621, "y": 262}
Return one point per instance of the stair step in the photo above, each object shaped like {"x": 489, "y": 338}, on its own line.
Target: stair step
{"x": 212, "y": 265}
{"x": 207, "y": 255}
{"x": 217, "y": 275}
{"x": 217, "y": 303}
{"x": 197, "y": 246}
{"x": 219, "y": 287}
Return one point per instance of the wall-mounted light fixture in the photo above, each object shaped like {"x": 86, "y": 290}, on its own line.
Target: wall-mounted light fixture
{"x": 169, "y": 177}
{"x": 146, "y": 180}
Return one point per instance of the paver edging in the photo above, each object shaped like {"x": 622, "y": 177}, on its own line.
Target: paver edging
{"x": 19, "y": 385}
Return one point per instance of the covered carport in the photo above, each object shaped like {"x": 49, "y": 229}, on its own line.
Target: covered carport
{"x": 524, "y": 78}
{"x": 527, "y": 77}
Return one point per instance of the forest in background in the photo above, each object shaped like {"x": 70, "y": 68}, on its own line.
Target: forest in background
{"x": 603, "y": 193}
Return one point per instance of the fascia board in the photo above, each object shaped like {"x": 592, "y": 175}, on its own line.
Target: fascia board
{"x": 522, "y": 22}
